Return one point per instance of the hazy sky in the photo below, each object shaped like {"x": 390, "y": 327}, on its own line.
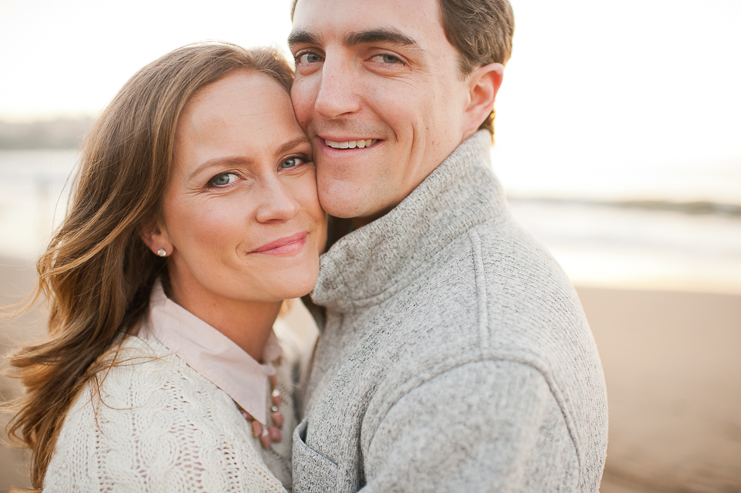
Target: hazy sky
{"x": 72, "y": 56}
{"x": 621, "y": 83}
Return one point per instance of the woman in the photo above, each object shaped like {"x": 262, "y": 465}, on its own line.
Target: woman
{"x": 195, "y": 215}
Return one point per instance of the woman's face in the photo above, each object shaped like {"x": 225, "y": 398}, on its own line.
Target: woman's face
{"x": 241, "y": 213}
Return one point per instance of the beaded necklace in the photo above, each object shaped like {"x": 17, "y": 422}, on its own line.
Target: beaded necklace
{"x": 271, "y": 432}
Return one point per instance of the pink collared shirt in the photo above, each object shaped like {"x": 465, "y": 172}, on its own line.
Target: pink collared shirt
{"x": 211, "y": 353}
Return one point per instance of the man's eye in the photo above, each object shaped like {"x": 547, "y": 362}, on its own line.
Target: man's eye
{"x": 223, "y": 179}
{"x": 388, "y": 58}
{"x": 308, "y": 57}
{"x": 291, "y": 162}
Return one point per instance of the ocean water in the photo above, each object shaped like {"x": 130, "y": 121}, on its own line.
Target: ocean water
{"x": 33, "y": 199}
{"x": 638, "y": 230}
{"x": 617, "y": 245}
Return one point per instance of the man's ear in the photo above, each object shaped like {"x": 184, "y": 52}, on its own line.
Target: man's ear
{"x": 154, "y": 235}
{"x": 484, "y": 83}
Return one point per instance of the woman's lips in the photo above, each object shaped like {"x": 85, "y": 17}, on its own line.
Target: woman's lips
{"x": 284, "y": 246}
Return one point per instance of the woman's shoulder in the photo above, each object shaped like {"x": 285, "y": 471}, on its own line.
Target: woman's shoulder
{"x": 142, "y": 378}
{"x": 152, "y": 420}
{"x": 137, "y": 372}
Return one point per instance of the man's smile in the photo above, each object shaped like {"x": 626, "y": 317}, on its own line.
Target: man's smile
{"x": 351, "y": 144}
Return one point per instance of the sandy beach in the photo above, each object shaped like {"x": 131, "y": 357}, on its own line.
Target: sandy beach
{"x": 674, "y": 388}
{"x": 673, "y": 378}
{"x": 17, "y": 279}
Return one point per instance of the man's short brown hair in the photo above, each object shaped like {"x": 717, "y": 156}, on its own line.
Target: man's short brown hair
{"x": 481, "y": 31}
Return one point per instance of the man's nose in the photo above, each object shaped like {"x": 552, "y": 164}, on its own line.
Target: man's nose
{"x": 276, "y": 203}
{"x": 337, "y": 94}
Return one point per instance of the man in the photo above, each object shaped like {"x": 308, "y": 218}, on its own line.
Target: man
{"x": 454, "y": 353}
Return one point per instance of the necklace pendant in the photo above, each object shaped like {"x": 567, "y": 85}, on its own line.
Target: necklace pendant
{"x": 265, "y": 439}
{"x": 276, "y": 397}
{"x": 256, "y": 428}
{"x": 277, "y": 419}
{"x": 274, "y": 434}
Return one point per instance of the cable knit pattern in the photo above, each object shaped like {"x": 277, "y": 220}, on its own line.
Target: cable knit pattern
{"x": 157, "y": 425}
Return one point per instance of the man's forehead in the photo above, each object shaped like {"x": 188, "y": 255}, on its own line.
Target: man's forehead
{"x": 359, "y": 20}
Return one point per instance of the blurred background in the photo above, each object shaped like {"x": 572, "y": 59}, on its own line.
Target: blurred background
{"x": 618, "y": 140}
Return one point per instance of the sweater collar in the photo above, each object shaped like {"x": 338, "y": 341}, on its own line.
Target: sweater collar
{"x": 374, "y": 262}
{"x": 211, "y": 353}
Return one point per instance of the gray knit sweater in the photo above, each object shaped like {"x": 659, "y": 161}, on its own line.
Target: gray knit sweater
{"x": 455, "y": 355}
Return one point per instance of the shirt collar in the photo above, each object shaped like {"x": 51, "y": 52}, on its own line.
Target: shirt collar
{"x": 211, "y": 353}
{"x": 374, "y": 262}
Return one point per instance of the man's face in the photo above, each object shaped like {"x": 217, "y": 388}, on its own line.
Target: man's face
{"x": 379, "y": 92}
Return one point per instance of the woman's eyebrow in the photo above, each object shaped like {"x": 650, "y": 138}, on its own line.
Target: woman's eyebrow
{"x": 245, "y": 160}
{"x": 292, "y": 144}
{"x": 221, "y": 161}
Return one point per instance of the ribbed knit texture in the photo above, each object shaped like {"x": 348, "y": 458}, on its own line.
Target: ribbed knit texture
{"x": 454, "y": 356}
{"x": 158, "y": 425}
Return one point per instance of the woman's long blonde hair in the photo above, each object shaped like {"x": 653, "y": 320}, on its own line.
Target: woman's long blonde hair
{"x": 97, "y": 273}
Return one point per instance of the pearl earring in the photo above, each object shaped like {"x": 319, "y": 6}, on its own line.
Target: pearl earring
{"x": 162, "y": 252}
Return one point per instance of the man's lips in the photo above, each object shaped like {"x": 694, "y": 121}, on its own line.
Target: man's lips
{"x": 351, "y": 143}
{"x": 283, "y": 246}
{"x": 346, "y": 143}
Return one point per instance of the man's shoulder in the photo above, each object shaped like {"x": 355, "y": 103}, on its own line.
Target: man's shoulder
{"x": 496, "y": 275}
{"x": 495, "y": 294}
{"x": 518, "y": 276}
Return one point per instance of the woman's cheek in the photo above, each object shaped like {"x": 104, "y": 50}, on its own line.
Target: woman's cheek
{"x": 306, "y": 194}
{"x": 213, "y": 223}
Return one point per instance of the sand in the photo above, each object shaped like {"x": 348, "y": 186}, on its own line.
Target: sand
{"x": 673, "y": 373}
{"x": 673, "y": 377}
{"x": 17, "y": 279}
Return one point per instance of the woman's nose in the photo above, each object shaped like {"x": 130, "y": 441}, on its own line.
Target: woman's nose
{"x": 276, "y": 203}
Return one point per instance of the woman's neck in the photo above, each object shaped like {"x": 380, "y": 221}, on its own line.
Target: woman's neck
{"x": 246, "y": 323}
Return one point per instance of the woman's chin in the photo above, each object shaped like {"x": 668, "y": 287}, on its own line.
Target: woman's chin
{"x": 294, "y": 284}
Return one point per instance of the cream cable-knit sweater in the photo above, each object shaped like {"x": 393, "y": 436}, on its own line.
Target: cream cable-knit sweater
{"x": 160, "y": 426}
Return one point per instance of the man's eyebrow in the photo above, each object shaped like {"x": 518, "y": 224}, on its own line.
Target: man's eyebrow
{"x": 302, "y": 37}
{"x": 382, "y": 35}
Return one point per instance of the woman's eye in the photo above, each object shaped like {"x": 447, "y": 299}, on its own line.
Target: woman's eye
{"x": 308, "y": 57}
{"x": 291, "y": 162}
{"x": 223, "y": 179}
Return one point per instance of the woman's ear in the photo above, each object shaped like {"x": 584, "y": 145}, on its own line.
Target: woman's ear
{"x": 484, "y": 83}
{"x": 154, "y": 235}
